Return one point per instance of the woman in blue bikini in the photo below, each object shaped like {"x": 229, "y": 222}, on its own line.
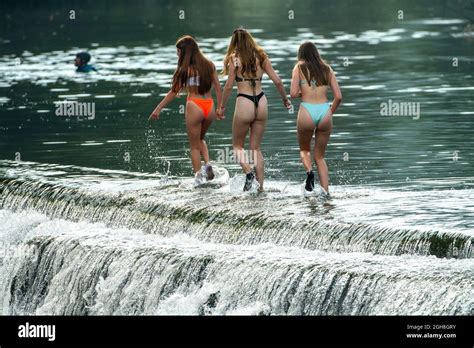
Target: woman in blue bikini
{"x": 310, "y": 80}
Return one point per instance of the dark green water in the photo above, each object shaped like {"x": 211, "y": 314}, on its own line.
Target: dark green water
{"x": 377, "y": 56}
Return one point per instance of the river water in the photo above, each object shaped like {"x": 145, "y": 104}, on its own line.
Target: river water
{"x": 99, "y": 216}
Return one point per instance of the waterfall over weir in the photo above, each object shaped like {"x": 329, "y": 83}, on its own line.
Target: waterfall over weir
{"x": 84, "y": 242}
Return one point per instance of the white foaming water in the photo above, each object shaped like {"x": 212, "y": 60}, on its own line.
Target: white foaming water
{"x": 88, "y": 241}
{"x": 84, "y": 268}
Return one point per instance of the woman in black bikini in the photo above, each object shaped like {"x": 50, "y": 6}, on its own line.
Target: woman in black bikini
{"x": 245, "y": 62}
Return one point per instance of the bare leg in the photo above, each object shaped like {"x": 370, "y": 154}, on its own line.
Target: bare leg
{"x": 323, "y": 132}
{"x": 194, "y": 119}
{"x": 204, "y": 127}
{"x": 204, "y": 151}
{"x": 243, "y": 117}
{"x": 305, "y": 128}
{"x": 257, "y": 129}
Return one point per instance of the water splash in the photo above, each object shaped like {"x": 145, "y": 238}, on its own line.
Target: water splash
{"x": 85, "y": 241}
{"x": 170, "y": 207}
{"x": 88, "y": 269}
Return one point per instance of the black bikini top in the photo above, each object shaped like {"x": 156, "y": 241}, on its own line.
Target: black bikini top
{"x": 241, "y": 79}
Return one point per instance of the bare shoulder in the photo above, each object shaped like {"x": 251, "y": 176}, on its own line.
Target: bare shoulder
{"x": 298, "y": 65}
{"x": 265, "y": 60}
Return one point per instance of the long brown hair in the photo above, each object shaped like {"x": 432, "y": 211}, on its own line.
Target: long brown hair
{"x": 243, "y": 46}
{"x": 192, "y": 63}
{"x": 312, "y": 65}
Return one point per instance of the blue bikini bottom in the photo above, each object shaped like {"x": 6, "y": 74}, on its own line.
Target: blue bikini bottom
{"x": 316, "y": 111}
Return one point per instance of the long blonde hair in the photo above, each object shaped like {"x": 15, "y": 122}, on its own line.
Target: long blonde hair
{"x": 244, "y": 47}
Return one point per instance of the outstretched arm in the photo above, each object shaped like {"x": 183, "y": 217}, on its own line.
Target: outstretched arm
{"x": 268, "y": 68}
{"x": 295, "y": 90}
{"x": 336, "y": 92}
{"x": 166, "y": 100}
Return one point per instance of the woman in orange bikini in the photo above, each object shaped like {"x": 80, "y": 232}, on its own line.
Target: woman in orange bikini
{"x": 245, "y": 63}
{"x": 197, "y": 75}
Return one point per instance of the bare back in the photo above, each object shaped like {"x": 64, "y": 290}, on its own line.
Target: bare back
{"x": 246, "y": 86}
{"x": 193, "y": 85}
{"x": 311, "y": 93}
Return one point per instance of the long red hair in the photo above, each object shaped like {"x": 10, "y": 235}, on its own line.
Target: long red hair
{"x": 192, "y": 64}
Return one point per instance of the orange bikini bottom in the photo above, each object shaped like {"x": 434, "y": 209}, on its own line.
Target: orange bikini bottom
{"x": 204, "y": 104}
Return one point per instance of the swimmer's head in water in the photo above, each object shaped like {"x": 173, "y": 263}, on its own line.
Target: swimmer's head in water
{"x": 82, "y": 58}
{"x": 313, "y": 67}
{"x": 192, "y": 63}
{"x": 243, "y": 45}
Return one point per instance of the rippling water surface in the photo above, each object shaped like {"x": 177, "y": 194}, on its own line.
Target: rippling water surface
{"x": 105, "y": 208}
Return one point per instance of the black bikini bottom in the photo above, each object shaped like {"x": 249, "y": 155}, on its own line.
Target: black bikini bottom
{"x": 255, "y": 99}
